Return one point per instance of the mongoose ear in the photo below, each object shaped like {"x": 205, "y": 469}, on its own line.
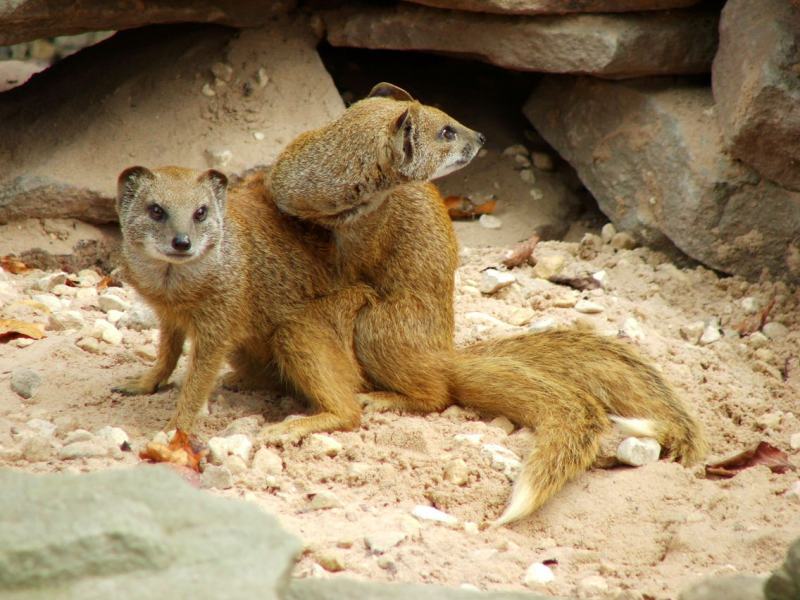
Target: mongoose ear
{"x": 402, "y": 132}
{"x": 129, "y": 182}
{"x": 218, "y": 184}
{"x": 388, "y": 90}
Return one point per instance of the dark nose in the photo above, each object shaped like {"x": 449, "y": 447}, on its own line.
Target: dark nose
{"x": 181, "y": 242}
{"x": 481, "y": 138}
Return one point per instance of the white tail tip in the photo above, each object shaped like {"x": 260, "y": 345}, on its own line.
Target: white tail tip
{"x": 636, "y": 427}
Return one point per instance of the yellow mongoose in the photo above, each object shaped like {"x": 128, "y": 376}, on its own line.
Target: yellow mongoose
{"x": 364, "y": 177}
{"x": 244, "y": 283}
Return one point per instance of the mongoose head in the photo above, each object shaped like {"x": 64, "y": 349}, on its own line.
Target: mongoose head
{"x": 345, "y": 169}
{"x": 171, "y": 214}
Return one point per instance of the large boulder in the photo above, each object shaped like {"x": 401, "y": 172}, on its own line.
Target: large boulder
{"x": 138, "y": 533}
{"x": 784, "y": 583}
{"x": 651, "y": 153}
{"x": 197, "y": 95}
{"x": 610, "y": 46}
{"x": 756, "y": 86}
{"x": 337, "y": 589}
{"x": 549, "y": 7}
{"x": 24, "y": 20}
{"x": 729, "y": 587}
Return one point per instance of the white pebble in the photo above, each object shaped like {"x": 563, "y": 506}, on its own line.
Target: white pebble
{"x": 109, "y": 301}
{"x": 456, "y": 472}
{"x": 208, "y": 91}
{"x": 471, "y": 527}
{"x": 793, "y": 493}
{"x": 237, "y": 444}
{"x": 757, "y": 340}
{"x": 68, "y": 319}
{"x": 522, "y": 160}
{"x": 608, "y": 232}
{"x": 600, "y": 277}
{"x": 88, "y": 278}
{"x": 549, "y": 266}
{"x": 520, "y": 316}
{"x": 711, "y": 332}
{"x": 88, "y": 449}
{"x": 794, "y": 441}
{"x": 323, "y": 500}
{"x": 492, "y": 280}
{"x": 64, "y": 290}
{"x": 78, "y": 435}
{"x": 216, "y": 477}
{"x": 527, "y": 176}
{"x": 429, "y": 513}
{"x": 383, "y": 541}
{"x": 588, "y": 307}
{"x": 49, "y": 301}
{"x": 258, "y": 135}
{"x": 267, "y": 462}
{"x": 774, "y": 330}
{"x": 542, "y": 325}
{"x": 42, "y": 427}
{"x": 48, "y": 282}
{"x": 161, "y": 437}
{"x": 692, "y": 331}
{"x": 490, "y": 222}
{"x": 638, "y": 451}
{"x": 515, "y": 150}
{"x": 750, "y": 305}
{"x": 503, "y": 460}
{"x": 113, "y": 316}
{"x": 115, "y": 436}
{"x": 632, "y": 329}
{"x": 111, "y": 335}
{"x": 538, "y": 574}
{"x": 503, "y": 423}
{"x": 139, "y": 317}
{"x": 324, "y": 445}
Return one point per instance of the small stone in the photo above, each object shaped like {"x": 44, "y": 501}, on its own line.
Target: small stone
{"x": 78, "y": 435}
{"x": 429, "y": 513}
{"x": 113, "y": 316}
{"x": 503, "y": 423}
{"x": 237, "y": 444}
{"x": 323, "y": 500}
{"x": 48, "y": 282}
{"x": 109, "y": 302}
{"x": 146, "y": 352}
{"x": 88, "y": 278}
{"x": 139, "y": 317}
{"x": 538, "y": 574}
{"x": 267, "y": 462}
{"x": 600, "y": 277}
{"x": 632, "y": 329}
{"x": 37, "y": 448}
{"x": 383, "y": 541}
{"x": 503, "y": 460}
{"x": 262, "y": 79}
{"x": 456, "y": 472}
{"x": 588, "y": 307}
{"x": 218, "y": 158}
{"x": 493, "y": 280}
{"x": 468, "y": 438}
{"x": 161, "y": 437}
{"x": 64, "y": 290}
{"x": 591, "y": 587}
{"x": 522, "y": 160}
{"x": 608, "y": 232}
{"x": 794, "y": 441}
{"x": 222, "y": 71}
{"x": 111, "y": 335}
{"x": 549, "y": 266}
{"x": 490, "y": 222}
{"x": 469, "y": 587}
{"x": 750, "y": 305}
{"x": 234, "y": 464}
{"x": 249, "y": 426}
{"x": 384, "y": 562}
{"x": 764, "y": 354}
{"x": 692, "y": 332}
{"x": 711, "y": 333}
{"x": 638, "y": 451}
{"x": 453, "y": 411}
{"x": 527, "y": 176}
{"x": 793, "y": 493}
{"x": 87, "y": 449}
{"x": 329, "y": 561}
{"x": 25, "y": 382}
{"x": 215, "y": 476}
{"x": 520, "y": 316}
{"x": 623, "y": 240}
{"x": 566, "y": 301}
{"x": 49, "y": 301}
{"x": 471, "y": 527}
{"x": 542, "y": 325}
{"x": 89, "y": 345}
{"x": 68, "y": 319}
{"x": 542, "y": 161}
{"x": 515, "y": 150}
{"x": 323, "y": 445}
{"x": 42, "y": 427}
{"x": 115, "y": 436}
{"x": 258, "y": 136}
{"x": 23, "y": 342}
{"x": 774, "y": 330}
{"x": 208, "y": 91}
{"x": 86, "y": 294}
{"x": 536, "y": 193}
{"x": 770, "y": 420}
{"x": 757, "y": 340}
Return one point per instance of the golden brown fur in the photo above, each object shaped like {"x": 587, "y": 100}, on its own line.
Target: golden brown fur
{"x": 364, "y": 177}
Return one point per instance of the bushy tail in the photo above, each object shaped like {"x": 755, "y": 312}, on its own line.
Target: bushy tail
{"x": 568, "y": 385}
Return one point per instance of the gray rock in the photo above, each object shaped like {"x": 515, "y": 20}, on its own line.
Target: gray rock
{"x": 538, "y": 7}
{"x": 139, "y": 317}
{"x": 651, "y": 154}
{"x": 25, "y": 381}
{"x": 754, "y": 78}
{"x": 729, "y": 587}
{"x": 37, "y": 448}
{"x": 214, "y": 476}
{"x": 615, "y": 46}
{"x": 84, "y": 449}
{"x": 138, "y": 533}
{"x": 336, "y": 589}
{"x": 784, "y": 583}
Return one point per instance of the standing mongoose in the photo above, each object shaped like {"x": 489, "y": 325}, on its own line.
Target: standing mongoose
{"x": 243, "y": 282}
{"x": 365, "y": 177}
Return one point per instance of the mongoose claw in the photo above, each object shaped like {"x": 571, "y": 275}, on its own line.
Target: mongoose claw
{"x": 280, "y": 434}
{"x": 133, "y": 387}
{"x": 374, "y": 403}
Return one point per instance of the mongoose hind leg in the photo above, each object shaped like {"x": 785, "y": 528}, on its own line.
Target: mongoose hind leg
{"x": 169, "y": 351}
{"x": 251, "y": 372}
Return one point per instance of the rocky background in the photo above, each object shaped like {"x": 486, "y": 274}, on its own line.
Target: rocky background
{"x": 676, "y": 120}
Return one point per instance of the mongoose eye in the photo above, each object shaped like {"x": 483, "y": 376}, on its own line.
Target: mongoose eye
{"x": 156, "y": 212}
{"x": 448, "y": 133}
{"x": 200, "y": 214}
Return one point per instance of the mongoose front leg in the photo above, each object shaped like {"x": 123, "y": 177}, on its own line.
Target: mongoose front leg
{"x": 170, "y": 347}
{"x": 206, "y": 360}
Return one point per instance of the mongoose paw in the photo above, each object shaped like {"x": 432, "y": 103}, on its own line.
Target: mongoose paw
{"x": 134, "y": 387}
{"x": 373, "y": 403}
{"x": 280, "y": 434}
{"x": 234, "y": 382}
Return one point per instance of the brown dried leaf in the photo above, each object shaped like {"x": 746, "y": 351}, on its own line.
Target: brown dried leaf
{"x": 11, "y": 329}
{"x": 756, "y": 322}
{"x": 521, "y": 253}
{"x": 461, "y": 207}
{"x": 104, "y": 283}
{"x": 13, "y": 265}
{"x": 181, "y": 451}
{"x": 761, "y": 454}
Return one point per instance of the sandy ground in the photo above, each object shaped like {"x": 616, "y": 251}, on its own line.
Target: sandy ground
{"x": 620, "y": 533}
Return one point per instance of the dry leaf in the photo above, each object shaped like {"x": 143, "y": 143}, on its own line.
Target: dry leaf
{"x": 13, "y": 265}
{"x": 461, "y": 207}
{"x": 181, "y": 451}
{"x": 761, "y": 454}
{"x": 104, "y": 283}
{"x": 11, "y": 329}
{"x": 756, "y": 322}
{"x": 521, "y": 253}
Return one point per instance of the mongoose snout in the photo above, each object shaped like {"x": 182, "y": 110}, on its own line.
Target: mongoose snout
{"x": 182, "y": 243}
